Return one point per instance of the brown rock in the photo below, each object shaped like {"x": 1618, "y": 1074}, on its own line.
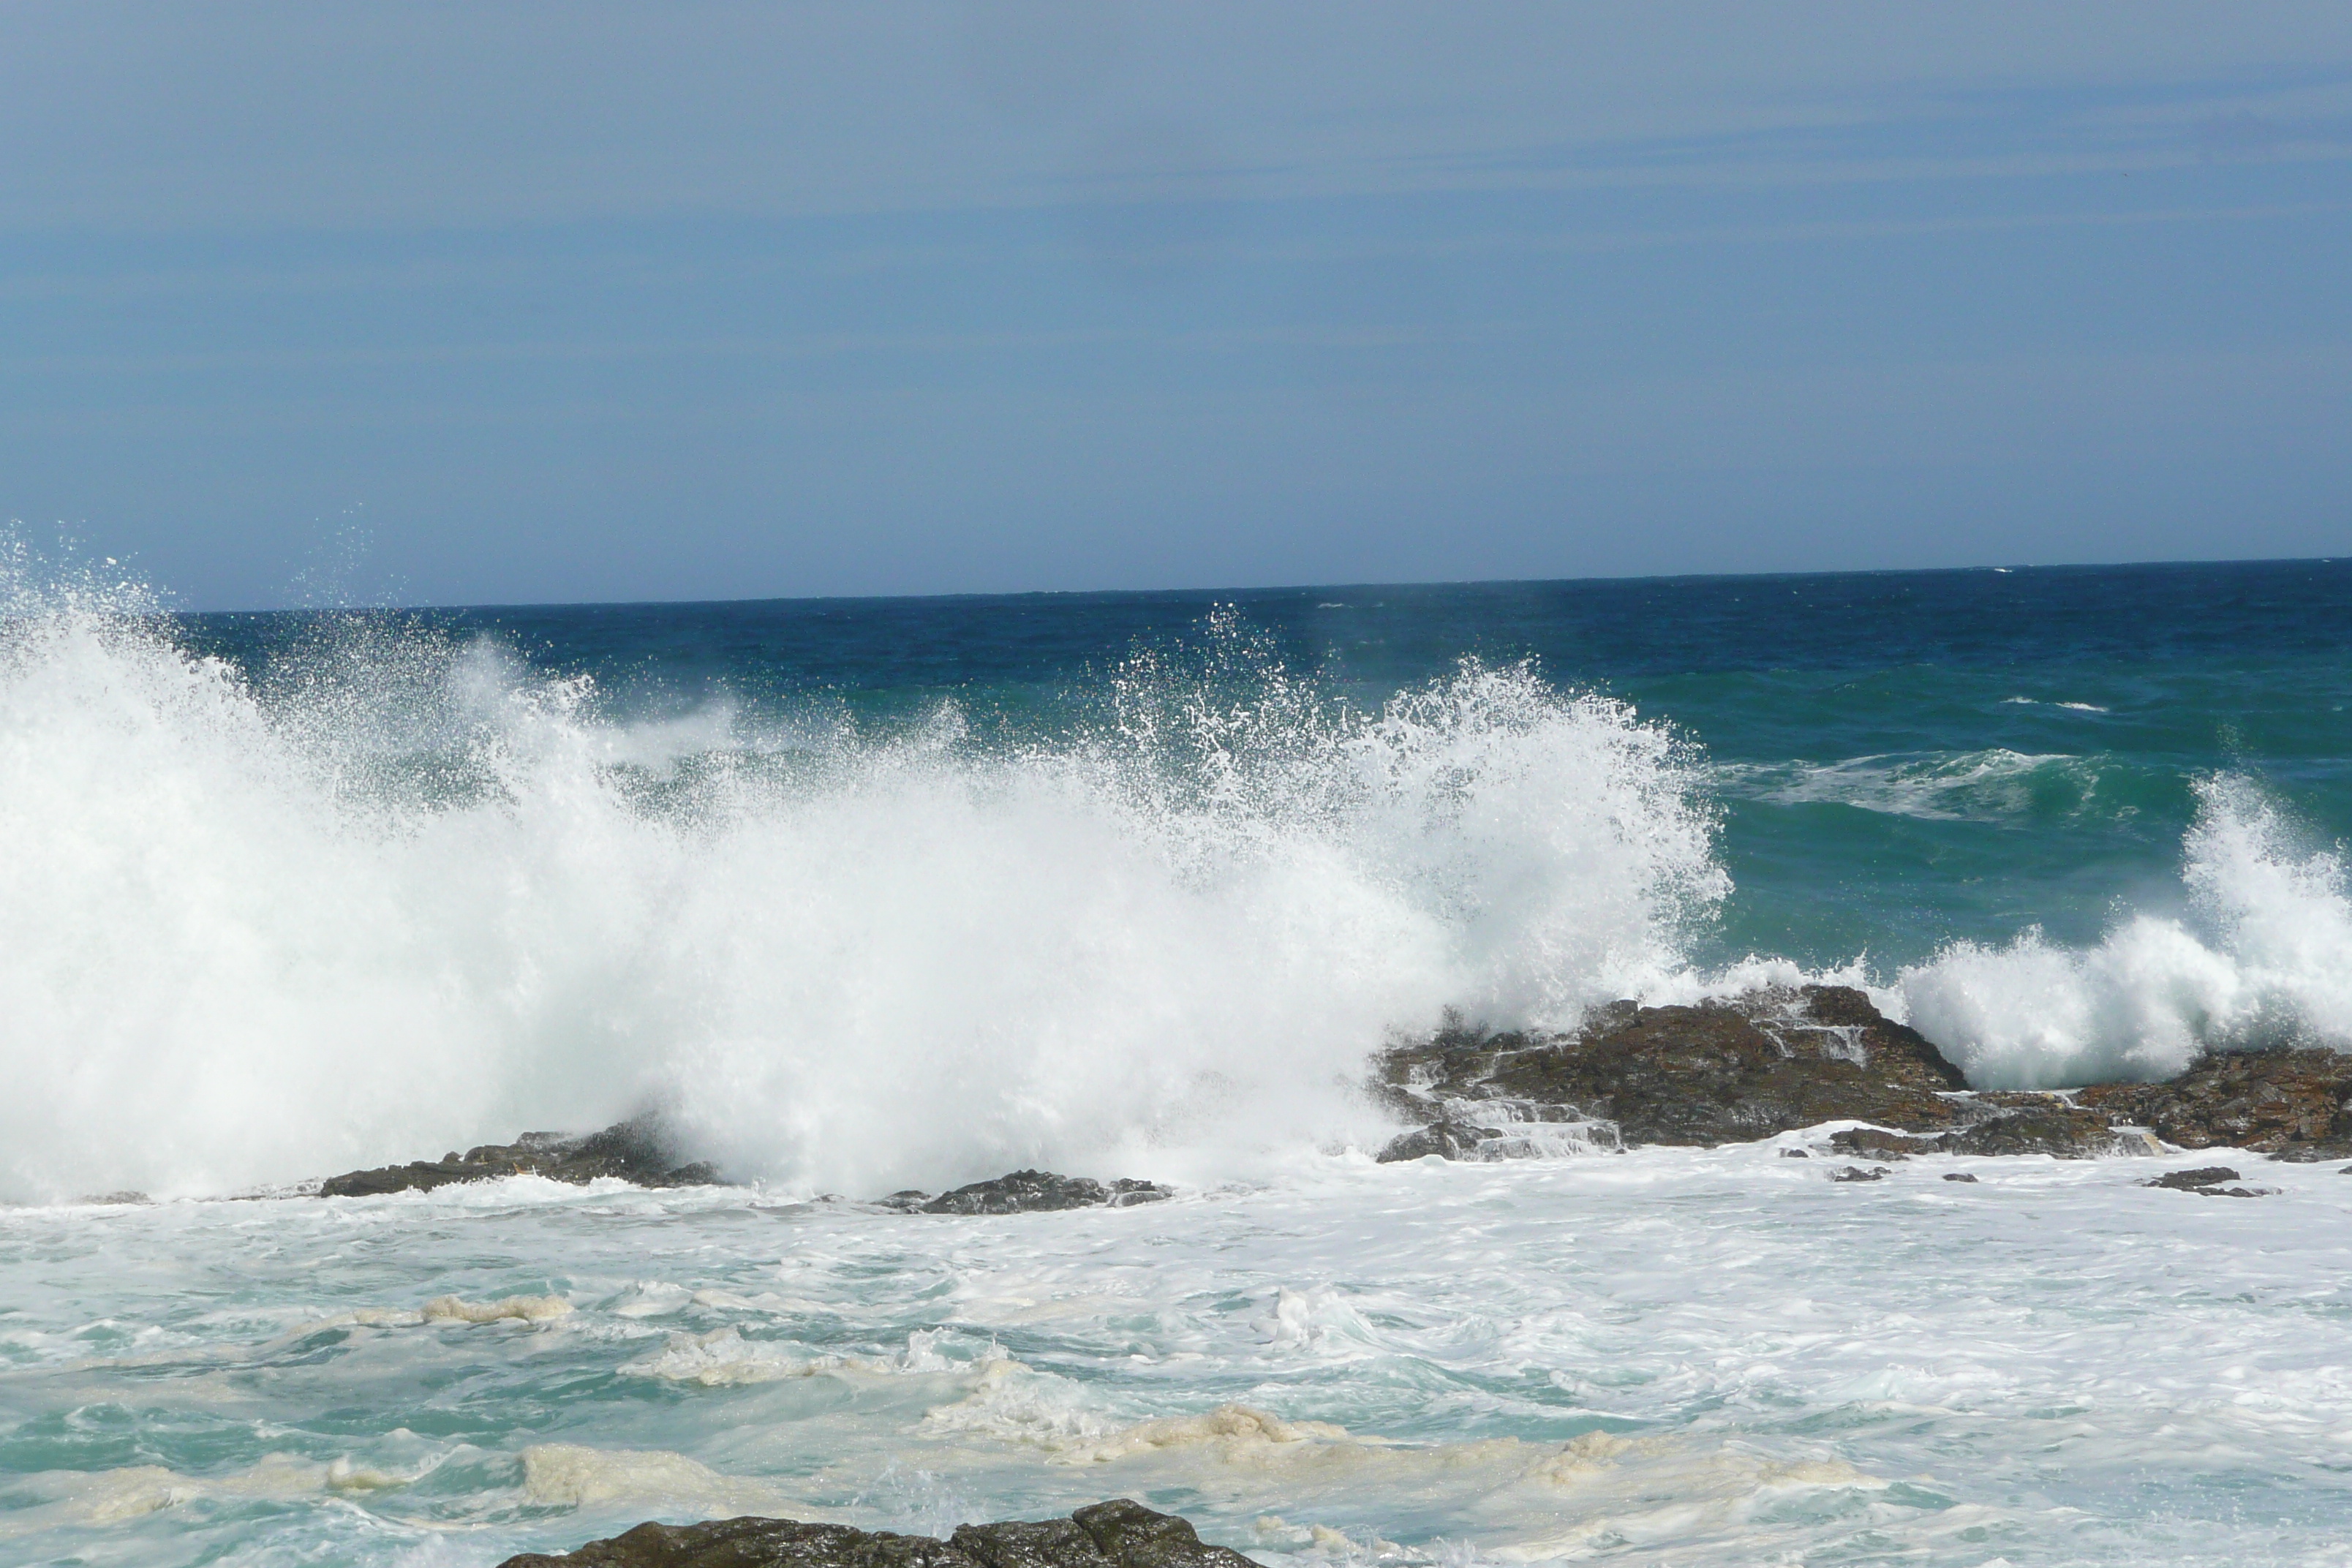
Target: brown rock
{"x": 2008, "y": 1125}
{"x": 1720, "y": 1072}
{"x": 2288, "y": 1104}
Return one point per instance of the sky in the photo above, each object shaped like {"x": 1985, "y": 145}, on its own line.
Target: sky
{"x": 504, "y": 301}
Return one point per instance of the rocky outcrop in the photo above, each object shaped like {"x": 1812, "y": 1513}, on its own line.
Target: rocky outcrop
{"x": 2288, "y": 1104}
{"x": 2015, "y": 1124}
{"x": 1117, "y": 1534}
{"x": 1777, "y": 1061}
{"x": 2208, "y": 1180}
{"x": 638, "y": 1150}
{"x": 1719, "y": 1072}
{"x": 1030, "y": 1191}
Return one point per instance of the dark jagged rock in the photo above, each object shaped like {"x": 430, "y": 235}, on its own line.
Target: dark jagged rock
{"x": 2011, "y": 1125}
{"x": 1732, "y": 1071}
{"x": 1133, "y": 1536}
{"x": 2208, "y": 1180}
{"x": 1446, "y": 1140}
{"x": 2189, "y": 1181}
{"x": 1856, "y": 1173}
{"x": 2288, "y": 1104}
{"x": 1118, "y": 1534}
{"x": 1045, "y": 1543}
{"x": 1794, "y": 1154}
{"x": 1877, "y": 1144}
{"x": 2052, "y": 1126}
{"x": 637, "y": 1151}
{"x": 1774, "y": 1061}
{"x": 1029, "y": 1192}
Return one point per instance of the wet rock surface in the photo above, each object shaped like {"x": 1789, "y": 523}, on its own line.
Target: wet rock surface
{"x": 2011, "y": 1125}
{"x": 1030, "y": 1191}
{"x": 638, "y": 1150}
{"x": 1116, "y": 1534}
{"x": 1776, "y": 1061}
{"x": 1719, "y": 1072}
{"x": 2208, "y": 1180}
{"x": 2289, "y": 1104}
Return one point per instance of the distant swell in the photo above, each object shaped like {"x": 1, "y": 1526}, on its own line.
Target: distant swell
{"x": 403, "y": 894}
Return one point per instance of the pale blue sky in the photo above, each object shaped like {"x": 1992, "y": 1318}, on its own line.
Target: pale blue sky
{"x": 519, "y": 301}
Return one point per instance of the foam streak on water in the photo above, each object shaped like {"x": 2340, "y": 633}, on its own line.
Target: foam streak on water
{"x": 1707, "y": 1358}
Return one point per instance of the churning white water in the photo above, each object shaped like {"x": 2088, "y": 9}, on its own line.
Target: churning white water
{"x": 2267, "y": 959}
{"x": 412, "y": 895}
{"x": 1674, "y": 1356}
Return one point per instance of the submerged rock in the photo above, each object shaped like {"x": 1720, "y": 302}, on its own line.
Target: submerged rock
{"x": 1029, "y": 1192}
{"x": 1117, "y": 1534}
{"x": 2189, "y": 1181}
{"x": 1720, "y": 1072}
{"x": 2208, "y": 1180}
{"x": 637, "y": 1151}
{"x": 1856, "y": 1173}
{"x": 2288, "y": 1104}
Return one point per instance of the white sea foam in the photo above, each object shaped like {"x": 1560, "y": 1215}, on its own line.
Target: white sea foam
{"x": 401, "y": 895}
{"x": 573, "y": 1475}
{"x": 2266, "y": 956}
{"x": 1988, "y": 785}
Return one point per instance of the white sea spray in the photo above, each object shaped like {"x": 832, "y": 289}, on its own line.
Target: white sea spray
{"x": 403, "y": 893}
{"x": 2264, "y": 957}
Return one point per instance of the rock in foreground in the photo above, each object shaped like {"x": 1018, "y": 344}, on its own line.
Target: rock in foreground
{"x": 1032, "y": 1192}
{"x": 637, "y": 1151}
{"x": 1118, "y": 1534}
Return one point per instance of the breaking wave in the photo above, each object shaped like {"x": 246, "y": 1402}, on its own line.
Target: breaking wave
{"x": 2264, "y": 957}
{"x": 398, "y": 892}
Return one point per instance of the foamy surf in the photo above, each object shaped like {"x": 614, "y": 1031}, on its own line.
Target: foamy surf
{"x": 399, "y": 896}
{"x": 2264, "y": 957}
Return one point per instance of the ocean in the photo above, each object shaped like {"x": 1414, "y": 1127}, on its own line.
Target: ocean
{"x": 875, "y": 894}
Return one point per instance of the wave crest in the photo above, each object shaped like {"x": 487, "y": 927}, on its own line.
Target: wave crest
{"x": 2265, "y": 958}
{"x": 396, "y": 893}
